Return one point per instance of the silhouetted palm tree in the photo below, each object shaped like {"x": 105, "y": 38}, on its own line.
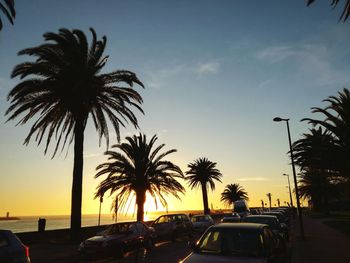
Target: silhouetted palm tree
{"x": 337, "y": 123}
{"x": 318, "y": 188}
{"x": 316, "y": 150}
{"x": 8, "y": 8}
{"x": 269, "y": 196}
{"x": 136, "y": 169}
{"x": 65, "y": 87}
{"x": 232, "y": 193}
{"x": 346, "y": 10}
{"x": 203, "y": 172}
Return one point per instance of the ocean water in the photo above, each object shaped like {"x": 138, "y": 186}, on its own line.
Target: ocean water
{"x": 30, "y": 223}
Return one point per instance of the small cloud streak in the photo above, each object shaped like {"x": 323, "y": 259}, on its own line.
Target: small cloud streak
{"x": 311, "y": 61}
{"x": 160, "y": 78}
{"x": 208, "y": 68}
{"x": 252, "y": 179}
{"x": 276, "y": 54}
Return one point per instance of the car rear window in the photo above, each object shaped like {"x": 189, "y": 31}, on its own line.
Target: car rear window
{"x": 3, "y": 241}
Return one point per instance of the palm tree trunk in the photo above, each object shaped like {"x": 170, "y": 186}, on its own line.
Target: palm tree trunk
{"x": 205, "y": 198}
{"x": 75, "y": 221}
{"x": 140, "y": 201}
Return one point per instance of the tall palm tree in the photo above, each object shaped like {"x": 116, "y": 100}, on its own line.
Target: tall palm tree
{"x": 317, "y": 150}
{"x": 232, "y": 193}
{"x": 203, "y": 172}
{"x": 269, "y": 196}
{"x": 8, "y": 8}
{"x": 337, "y": 123}
{"x": 319, "y": 188}
{"x": 64, "y": 88}
{"x": 137, "y": 168}
{"x": 346, "y": 10}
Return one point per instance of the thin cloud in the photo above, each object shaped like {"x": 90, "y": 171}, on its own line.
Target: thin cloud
{"x": 208, "y": 68}
{"x": 159, "y": 78}
{"x": 276, "y": 54}
{"x": 311, "y": 62}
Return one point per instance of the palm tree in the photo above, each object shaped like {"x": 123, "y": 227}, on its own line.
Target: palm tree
{"x": 319, "y": 188}
{"x": 203, "y": 172}
{"x": 278, "y": 202}
{"x": 8, "y": 8}
{"x": 346, "y": 10}
{"x": 232, "y": 193}
{"x": 65, "y": 87}
{"x": 337, "y": 123}
{"x": 136, "y": 169}
{"x": 269, "y": 195}
{"x": 317, "y": 150}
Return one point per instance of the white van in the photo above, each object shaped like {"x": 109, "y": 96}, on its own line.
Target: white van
{"x": 241, "y": 207}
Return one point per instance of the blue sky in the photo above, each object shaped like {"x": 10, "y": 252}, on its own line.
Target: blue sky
{"x": 215, "y": 72}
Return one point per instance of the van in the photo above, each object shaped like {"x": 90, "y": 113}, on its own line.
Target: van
{"x": 241, "y": 207}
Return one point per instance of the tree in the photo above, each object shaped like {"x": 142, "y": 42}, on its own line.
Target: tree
{"x": 346, "y": 10}
{"x": 337, "y": 123}
{"x": 65, "y": 87}
{"x": 262, "y": 204}
{"x": 8, "y": 8}
{"x": 319, "y": 188}
{"x": 269, "y": 196}
{"x": 232, "y": 193}
{"x": 203, "y": 172}
{"x": 137, "y": 168}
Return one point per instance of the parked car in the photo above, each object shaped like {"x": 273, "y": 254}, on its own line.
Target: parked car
{"x": 272, "y": 222}
{"x": 172, "y": 226}
{"x": 239, "y": 243}
{"x": 201, "y": 222}
{"x": 234, "y": 218}
{"x": 119, "y": 238}
{"x": 12, "y": 249}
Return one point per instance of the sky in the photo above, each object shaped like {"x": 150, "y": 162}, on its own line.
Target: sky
{"x": 215, "y": 72}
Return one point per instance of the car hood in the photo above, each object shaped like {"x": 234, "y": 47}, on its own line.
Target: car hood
{"x": 105, "y": 238}
{"x": 205, "y": 258}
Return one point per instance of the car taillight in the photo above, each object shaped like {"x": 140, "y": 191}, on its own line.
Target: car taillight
{"x": 26, "y": 248}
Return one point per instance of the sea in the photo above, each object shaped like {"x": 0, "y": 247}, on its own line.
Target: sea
{"x": 30, "y": 223}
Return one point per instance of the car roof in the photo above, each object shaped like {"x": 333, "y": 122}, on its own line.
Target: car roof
{"x": 261, "y": 216}
{"x": 174, "y": 215}
{"x": 253, "y": 226}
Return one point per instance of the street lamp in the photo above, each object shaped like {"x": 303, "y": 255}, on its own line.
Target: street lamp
{"x": 290, "y": 191}
{"x": 278, "y": 119}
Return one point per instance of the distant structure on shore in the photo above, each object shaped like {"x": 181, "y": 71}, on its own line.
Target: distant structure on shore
{"x": 8, "y": 217}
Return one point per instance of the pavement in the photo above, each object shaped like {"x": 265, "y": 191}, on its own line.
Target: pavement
{"x": 322, "y": 243}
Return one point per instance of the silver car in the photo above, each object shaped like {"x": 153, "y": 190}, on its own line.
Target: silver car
{"x": 237, "y": 243}
{"x": 201, "y": 222}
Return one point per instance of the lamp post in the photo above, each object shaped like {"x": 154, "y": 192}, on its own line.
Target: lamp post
{"x": 278, "y": 119}
{"x": 290, "y": 191}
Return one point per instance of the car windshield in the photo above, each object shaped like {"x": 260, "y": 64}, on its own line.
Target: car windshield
{"x": 199, "y": 219}
{"x": 117, "y": 229}
{"x": 242, "y": 242}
